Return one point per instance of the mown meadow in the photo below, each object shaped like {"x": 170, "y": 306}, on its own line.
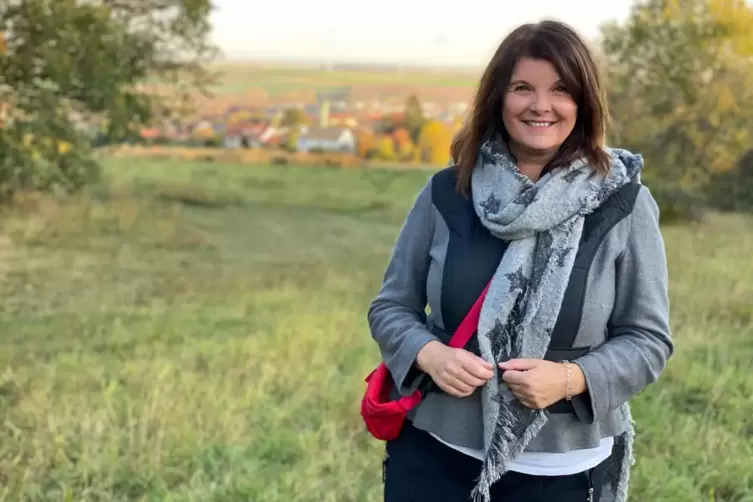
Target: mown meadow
{"x": 197, "y": 332}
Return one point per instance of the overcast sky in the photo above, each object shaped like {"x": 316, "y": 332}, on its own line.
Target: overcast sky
{"x": 394, "y": 31}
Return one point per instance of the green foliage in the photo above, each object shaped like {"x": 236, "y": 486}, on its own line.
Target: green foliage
{"x": 291, "y": 144}
{"x": 733, "y": 190}
{"x": 681, "y": 84}
{"x": 678, "y": 204}
{"x": 293, "y": 117}
{"x": 414, "y": 118}
{"x": 70, "y": 68}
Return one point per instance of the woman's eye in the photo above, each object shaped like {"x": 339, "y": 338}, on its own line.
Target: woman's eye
{"x": 560, "y": 88}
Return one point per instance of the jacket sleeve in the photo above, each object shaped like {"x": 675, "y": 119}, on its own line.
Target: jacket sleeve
{"x": 397, "y": 315}
{"x": 638, "y": 335}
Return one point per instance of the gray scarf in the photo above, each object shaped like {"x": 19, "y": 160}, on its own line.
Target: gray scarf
{"x": 543, "y": 222}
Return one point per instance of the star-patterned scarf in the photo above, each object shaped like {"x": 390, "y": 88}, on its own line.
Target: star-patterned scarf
{"x": 543, "y": 222}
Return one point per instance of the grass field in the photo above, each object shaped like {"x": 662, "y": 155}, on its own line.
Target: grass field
{"x": 276, "y": 79}
{"x": 255, "y": 84}
{"x": 196, "y": 332}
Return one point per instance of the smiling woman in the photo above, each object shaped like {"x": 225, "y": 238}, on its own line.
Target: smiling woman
{"x": 538, "y": 78}
{"x": 539, "y": 112}
{"x": 554, "y": 235}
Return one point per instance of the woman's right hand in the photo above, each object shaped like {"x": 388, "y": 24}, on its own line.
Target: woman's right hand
{"x": 456, "y": 371}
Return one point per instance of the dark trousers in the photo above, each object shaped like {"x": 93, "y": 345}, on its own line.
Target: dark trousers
{"x": 418, "y": 468}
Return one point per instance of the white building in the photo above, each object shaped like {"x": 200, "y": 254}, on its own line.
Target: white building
{"x": 327, "y": 139}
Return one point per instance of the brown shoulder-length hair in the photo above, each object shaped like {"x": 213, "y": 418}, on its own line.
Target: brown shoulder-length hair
{"x": 560, "y": 45}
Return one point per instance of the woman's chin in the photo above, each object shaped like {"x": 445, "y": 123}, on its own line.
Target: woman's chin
{"x": 540, "y": 146}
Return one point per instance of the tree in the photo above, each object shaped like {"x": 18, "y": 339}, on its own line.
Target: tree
{"x": 389, "y": 123}
{"x": 365, "y": 141}
{"x": 385, "y": 148}
{"x": 681, "y": 82}
{"x": 733, "y": 190}
{"x": 291, "y": 142}
{"x": 238, "y": 116}
{"x": 434, "y": 143}
{"x": 293, "y": 117}
{"x": 404, "y": 148}
{"x": 70, "y": 68}
{"x": 413, "y": 117}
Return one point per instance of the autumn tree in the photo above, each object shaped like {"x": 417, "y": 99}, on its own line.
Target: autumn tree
{"x": 293, "y": 117}
{"x": 390, "y": 123}
{"x": 365, "y": 141}
{"x": 238, "y": 116}
{"x": 69, "y": 68}
{"x": 680, "y": 78}
{"x": 292, "y": 139}
{"x": 413, "y": 117}
{"x": 404, "y": 146}
{"x": 384, "y": 149}
{"x": 401, "y": 135}
{"x": 434, "y": 143}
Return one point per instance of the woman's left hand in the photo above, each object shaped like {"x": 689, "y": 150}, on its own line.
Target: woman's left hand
{"x": 538, "y": 383}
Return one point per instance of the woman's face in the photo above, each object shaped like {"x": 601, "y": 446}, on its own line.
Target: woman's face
{"x": 538, "y": 113}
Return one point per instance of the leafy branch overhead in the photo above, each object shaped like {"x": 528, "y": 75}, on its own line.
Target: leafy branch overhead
{"x": 70, "y": 69}
{"x": 681, "y": 83}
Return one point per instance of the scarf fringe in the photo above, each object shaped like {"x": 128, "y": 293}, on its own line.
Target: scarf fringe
{"x": 627, "y": 457}
{"x": 544, "y": 221}
{"x": 499, "y": 455}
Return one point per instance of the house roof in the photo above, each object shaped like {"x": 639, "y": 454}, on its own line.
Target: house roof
{"x": 150, "y": 133}
{"x": 325, "y": 133}
{"x": 246, "y": 128}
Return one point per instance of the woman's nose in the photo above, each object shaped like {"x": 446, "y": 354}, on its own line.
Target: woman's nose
{"x": 541, "y": 103}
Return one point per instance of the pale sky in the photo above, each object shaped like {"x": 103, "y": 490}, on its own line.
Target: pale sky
{"x": 429, "y": 32}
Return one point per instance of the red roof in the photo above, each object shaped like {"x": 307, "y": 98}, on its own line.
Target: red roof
{"x": 151, "y": 133}
{"x": 246, "y": 129}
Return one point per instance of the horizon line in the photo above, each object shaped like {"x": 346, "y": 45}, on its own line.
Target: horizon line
{"x": 340, "y": 62}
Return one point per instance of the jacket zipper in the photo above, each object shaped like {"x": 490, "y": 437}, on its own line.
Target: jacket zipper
{"x": 590, "y": 485}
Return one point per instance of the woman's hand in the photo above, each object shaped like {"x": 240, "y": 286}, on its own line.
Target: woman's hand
{"x": 538, "y": 383}
{"x": 456, "y": 371}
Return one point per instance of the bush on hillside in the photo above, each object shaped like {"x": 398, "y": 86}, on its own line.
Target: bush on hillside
{"x": 733, "y": 190}
{"x": 678, "y": 205}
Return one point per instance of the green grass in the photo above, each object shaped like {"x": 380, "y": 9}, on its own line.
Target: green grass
{"x": 196, "y": 332}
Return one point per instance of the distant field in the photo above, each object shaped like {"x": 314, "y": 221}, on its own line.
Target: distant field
{"x": 279, "y": 79}
{"x": 263, "y": 84}
{"x": 197, "y": 332}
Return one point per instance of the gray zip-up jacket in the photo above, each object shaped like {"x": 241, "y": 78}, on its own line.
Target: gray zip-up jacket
{"x": 625, "y": 321}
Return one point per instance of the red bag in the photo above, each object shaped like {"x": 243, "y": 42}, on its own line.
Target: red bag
{"x": 384, "y": 419}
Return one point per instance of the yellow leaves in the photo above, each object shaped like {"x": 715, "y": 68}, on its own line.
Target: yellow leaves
{"x": 405, "y": 150}
{"x": 741, "y": 136}
{"x": 3, "y": 44}
{"x": 726, "y": 100}
{"x": 672, "y": 9}
{"x": 434, "y": 143}
{"x": 385, "y": 147}
{"x": 64, "y": 147}
{"x": 736, "y": 18}
{"x": 365, "y": 141}
{"x": 35, "y": 145}
{"x": 238, "y": 116}
{"x": 682, "y": 86}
